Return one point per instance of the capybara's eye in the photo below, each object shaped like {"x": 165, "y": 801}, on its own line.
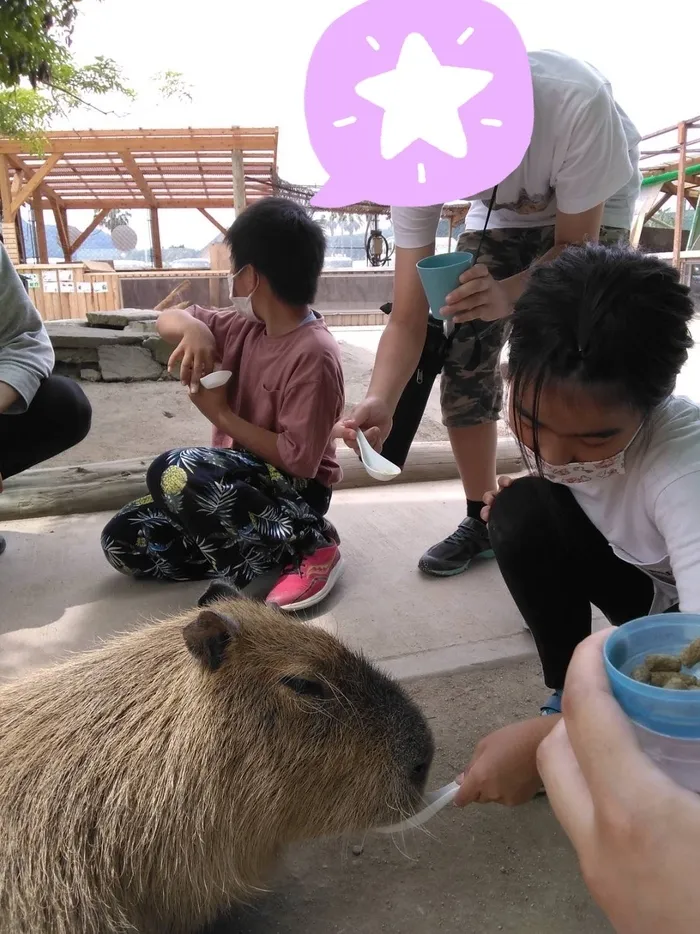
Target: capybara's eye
{"x": 305, "y": 687}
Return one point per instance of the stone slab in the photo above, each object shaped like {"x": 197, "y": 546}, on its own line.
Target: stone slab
{"x": 77, "y": 336}
{"x": 120, "y": 318}
{"x": 127, "y": 364}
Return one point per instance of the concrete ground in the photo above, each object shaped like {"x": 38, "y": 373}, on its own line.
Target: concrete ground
{"x": 59, "y": 594}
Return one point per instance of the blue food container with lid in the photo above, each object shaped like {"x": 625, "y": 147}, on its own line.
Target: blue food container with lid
{"x": 667, "y": 722}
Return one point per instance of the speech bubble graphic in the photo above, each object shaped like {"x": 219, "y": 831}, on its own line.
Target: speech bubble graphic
{"x": 416, "y": 103}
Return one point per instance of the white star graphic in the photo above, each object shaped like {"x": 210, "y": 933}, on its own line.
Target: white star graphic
{"x": 421, "y": 100}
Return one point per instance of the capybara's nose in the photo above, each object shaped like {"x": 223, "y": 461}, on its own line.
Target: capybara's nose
{"x": 419, "y": 772}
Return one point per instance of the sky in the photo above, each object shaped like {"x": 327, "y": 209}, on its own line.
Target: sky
{"x": 246, "y": 65}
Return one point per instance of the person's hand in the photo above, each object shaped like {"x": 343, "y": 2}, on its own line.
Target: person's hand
{"x": 503, "y": 769}
{"x": 212, "y": 403}
{"x": 373, "y": 417}
{"x": 636, "y": 831}
{"x": 477, "y": 297}
{"x": 490, "y": 497}
{"x": 196, "y": 354}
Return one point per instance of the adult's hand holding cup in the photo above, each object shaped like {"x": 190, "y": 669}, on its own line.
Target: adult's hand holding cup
{"x": 439, "y": 275}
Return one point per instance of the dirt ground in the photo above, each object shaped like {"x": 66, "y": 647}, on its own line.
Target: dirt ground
{"x": 144, "y": 419}
{"x": 477, "y": 871}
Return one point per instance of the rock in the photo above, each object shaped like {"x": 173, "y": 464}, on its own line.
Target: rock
{"x": 160, "y": 349}
{"x": 76, "y": 336}
{"x": 358, "y": 850}
{"x": 120, "y": 318}
{"x": 141, "y": 327}
{"x": 91, "y": 376}
{"x": 76, "y": 354}
{"x": 126, "y": 364}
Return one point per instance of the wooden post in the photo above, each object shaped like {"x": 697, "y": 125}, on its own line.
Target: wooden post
{"x": 155, "y": 239}
{"x": 239, "y": 199}
{"x": 680, "y": 195}
{"x": 449, "y": 235}
{"x": 9, "y": 232}
{"x": 61, "y": 217}
{"x": 41, "y": 244}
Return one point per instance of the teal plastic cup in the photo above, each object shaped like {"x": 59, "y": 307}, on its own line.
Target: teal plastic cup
{"x": 439, "y": 275}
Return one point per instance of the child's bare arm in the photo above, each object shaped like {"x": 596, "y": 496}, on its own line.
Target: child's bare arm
{"x": 195, "y": 345}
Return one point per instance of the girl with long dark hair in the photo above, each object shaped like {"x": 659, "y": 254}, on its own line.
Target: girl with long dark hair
{"x": 610, "y": 515}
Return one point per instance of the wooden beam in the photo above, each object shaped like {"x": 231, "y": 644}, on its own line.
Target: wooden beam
{"x": 36, "y": 178}
{"x": 5, "y": 190}
{"x": 155, "y": 240}
{"x": 62, "y": 229}
{"x": 41, "y": 243}
{"x": 238, "y": 176}
{"x": 60, "y": 491}
{"x": 138, "y": 176}
{"x": 28, "y": 171}
{"x": 680, "y": 199}
{"x": 666, "y": 196}
{"x": 213, "y": 220}
{"x": 81, "y": 238}
{"x": 146, "y": 143}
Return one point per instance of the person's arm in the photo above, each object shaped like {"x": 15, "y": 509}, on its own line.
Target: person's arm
{"x": 195, "y": 344}
{"x": 568, "y": 229}
{"x": 307, "y": 416}
{"x": 635, "y": 831}
{"x": 402, "y": 342}
{"x": 503, "y": 769}
{"x": 26, "y": 354}
{"x": 403, "y": 339}
{"x": 596, "y": 166}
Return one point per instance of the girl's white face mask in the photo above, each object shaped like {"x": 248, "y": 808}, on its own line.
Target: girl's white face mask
{"x": 580, "y": 471}
{"x": 244, "y": 306}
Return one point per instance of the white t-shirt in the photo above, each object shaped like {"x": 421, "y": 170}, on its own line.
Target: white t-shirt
{"x": 583, "y": 151}
{"x": 650, "y": 515}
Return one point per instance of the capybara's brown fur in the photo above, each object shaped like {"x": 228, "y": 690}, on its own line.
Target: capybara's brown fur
{"x": 150, "y": 784}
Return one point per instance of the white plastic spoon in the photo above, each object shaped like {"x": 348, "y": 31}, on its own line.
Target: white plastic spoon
{"x": 376, "y": 466}
{"x": 215, "y": 379}
{"x": 437, "y": 800}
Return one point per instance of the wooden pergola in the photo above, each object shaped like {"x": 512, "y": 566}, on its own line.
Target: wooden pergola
{"x": 102, "y": 170}
{"x": 670, "y": 164}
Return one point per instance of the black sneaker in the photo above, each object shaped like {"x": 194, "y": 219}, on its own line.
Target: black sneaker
{"x": 3, "y": 544}
{"x": 454, "y": 555}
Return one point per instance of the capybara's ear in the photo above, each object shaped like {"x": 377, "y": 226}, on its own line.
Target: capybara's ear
{"x": 208, "y": 636}
{"x": 219, "y": 590}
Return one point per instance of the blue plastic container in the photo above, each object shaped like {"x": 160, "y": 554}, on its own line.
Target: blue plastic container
{"x": 439, "y": 275}
{"x": 667, "y": 723}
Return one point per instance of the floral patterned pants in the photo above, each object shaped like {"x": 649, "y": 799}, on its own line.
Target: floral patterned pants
{"x": 215, "y": 512}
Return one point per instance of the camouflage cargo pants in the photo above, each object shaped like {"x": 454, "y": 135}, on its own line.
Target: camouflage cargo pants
{"x": 474, "y": 396}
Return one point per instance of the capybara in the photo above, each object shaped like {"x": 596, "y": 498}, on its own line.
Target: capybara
{"x": 150, "y": 784}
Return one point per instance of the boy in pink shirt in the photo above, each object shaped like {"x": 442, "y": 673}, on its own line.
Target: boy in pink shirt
{"x": 257, "y": 499}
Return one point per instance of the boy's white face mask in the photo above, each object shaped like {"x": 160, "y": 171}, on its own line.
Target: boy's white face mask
{"x": 243, "y": 305}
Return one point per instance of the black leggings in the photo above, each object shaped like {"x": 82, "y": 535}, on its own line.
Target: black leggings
{"x": 556, "y": 564}
{"x": 58, "y": 418}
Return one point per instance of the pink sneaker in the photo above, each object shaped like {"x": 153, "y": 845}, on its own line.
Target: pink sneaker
{"x": 298, "y": 589}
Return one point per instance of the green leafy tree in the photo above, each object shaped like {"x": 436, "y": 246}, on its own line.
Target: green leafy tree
{"x": 116, "y": 218}
{"x": 40, "y": 80}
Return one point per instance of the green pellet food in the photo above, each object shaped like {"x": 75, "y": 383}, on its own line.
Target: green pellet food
{"x": 660, "y": 678}
{"x": 690, "y": 656}
{"x": 642, "y": 674}
{"x": 663, "y": 663}
{"x": 665, "y": 671}
{"x": 675, "y": 683}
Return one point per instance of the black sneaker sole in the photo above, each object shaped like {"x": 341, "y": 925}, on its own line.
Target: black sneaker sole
{"x": 425, "y": 568}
